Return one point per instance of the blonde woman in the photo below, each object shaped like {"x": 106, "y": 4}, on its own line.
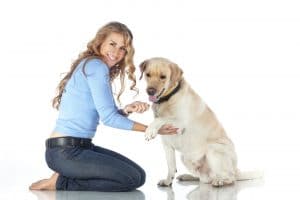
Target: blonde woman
{"x": 85, "y": 97}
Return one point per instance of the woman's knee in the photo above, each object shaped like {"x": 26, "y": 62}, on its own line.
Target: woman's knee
{"x": 142, "y": 178}
{"x": 137, "y": 179}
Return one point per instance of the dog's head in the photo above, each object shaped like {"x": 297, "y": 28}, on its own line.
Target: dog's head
{"x": 161, "y": 76}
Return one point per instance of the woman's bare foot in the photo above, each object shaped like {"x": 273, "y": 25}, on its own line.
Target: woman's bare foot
{"x": 45, "y": 184}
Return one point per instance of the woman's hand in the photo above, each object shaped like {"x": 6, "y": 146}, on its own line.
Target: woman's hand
{"x": 167, "y": 129}
{"x": 137, "y": 106}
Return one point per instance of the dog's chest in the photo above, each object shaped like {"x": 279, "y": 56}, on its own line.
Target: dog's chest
{"x": 164, "y": 110}
{"x": 179, "y": 142}
{"x": 158, "y": 112}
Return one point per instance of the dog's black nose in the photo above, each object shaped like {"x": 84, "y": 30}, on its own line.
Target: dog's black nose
{"x": 151, "y": 91}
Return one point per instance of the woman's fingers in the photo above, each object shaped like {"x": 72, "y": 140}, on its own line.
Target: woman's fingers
{"x": 168, "y": 129}
{"x": 138, "y": 107}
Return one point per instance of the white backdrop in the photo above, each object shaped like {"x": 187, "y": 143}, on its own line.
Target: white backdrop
{"x": 242, "y": 57}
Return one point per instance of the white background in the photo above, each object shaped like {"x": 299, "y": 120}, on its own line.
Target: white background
{"x": 242, "y": 57}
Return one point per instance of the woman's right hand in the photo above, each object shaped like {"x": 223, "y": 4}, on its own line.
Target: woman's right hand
{"x": 167, "y": 129}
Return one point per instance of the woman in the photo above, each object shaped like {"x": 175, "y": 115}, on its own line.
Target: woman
{"x": 85, "y": 97}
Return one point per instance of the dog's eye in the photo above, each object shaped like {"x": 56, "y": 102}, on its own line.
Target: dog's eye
{"x": 162, "y": 77}
{"x": 148, "y": 75}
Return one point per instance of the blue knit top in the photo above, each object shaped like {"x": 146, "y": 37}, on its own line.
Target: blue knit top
{"x": 87, "y": 98}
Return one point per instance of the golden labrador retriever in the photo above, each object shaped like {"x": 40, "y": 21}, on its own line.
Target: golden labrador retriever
{"x": 205, "y": 148}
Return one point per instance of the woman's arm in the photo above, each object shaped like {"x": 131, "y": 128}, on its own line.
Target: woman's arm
{"x": 139, "y": 127}
{"x": 97, "y": 76}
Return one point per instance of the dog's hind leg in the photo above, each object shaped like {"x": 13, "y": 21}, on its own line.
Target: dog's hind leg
{"x": 187, "y": 177}
{"x": 198, "y": 169}
{"x": 221, "y": 159}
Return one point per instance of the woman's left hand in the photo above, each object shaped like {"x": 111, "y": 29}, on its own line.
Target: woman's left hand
{"x": 136, "y": 106}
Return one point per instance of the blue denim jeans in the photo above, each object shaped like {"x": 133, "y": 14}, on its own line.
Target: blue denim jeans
{"x": 93, "y": 169}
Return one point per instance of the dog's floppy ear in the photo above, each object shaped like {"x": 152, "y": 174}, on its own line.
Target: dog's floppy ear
{"x": 176, "y": 73}
{"x": 143, "y": 66}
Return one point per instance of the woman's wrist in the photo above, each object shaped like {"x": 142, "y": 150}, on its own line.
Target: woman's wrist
{"x": 123, "y": 112}
{"x": 139, "y": 127}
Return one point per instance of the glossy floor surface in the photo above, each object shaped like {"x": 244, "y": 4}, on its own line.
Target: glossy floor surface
{"x": 243, "y": 191}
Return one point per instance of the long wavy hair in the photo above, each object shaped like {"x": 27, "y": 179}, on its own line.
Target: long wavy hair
{"x": 125, "y": 66}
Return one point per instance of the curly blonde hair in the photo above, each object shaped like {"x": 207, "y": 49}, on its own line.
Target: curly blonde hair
{"x": 125, "y": 66}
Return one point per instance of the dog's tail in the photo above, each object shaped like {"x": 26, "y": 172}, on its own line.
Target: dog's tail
{"x": 249, "y": 175}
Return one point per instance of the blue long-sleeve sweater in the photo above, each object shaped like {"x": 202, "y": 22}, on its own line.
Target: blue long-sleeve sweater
{"x": 87, "y": 98}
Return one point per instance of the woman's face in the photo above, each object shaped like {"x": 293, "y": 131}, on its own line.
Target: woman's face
{"x": 113, "y": 49}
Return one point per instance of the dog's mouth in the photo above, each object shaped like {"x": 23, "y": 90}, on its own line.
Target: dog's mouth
{"x": 155, "y": 98}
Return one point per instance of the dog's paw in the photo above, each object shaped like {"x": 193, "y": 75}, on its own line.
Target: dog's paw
{"x": 150, "y": 134}
{"x": 165, "y": 183}
{"x": 218, "y": 182}
{"x": 180, "y": 130}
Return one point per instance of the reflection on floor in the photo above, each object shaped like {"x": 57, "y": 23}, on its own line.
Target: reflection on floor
{"x": 83, "y": 195}
{"x": 208, "y": 192}
{"x": 201, "y": 191}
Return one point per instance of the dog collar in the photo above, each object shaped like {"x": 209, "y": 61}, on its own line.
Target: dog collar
{"x": 167, "y": 97}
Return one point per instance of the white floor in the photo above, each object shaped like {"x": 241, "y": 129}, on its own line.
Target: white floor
{"x": 258, "y": 189}
{"x": 192, "y": 191}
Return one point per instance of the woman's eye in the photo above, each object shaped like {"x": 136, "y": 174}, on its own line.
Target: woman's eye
{"x": 148, "y": 75}
{"x": 123, "y": 49}
{"x": 162, "y": 77}
{"x": 112, "y": 44}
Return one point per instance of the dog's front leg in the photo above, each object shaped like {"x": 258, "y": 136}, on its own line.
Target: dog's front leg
{"x": 152, "y": 130}
{"x": 171, "y": 161}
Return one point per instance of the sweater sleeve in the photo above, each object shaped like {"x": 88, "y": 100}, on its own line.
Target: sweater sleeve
{"x": 97, "y": 76}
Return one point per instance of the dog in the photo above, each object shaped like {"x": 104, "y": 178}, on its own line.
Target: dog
{"x": 206, "y": 150}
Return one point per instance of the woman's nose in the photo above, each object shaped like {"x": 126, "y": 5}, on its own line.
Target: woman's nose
{"x": 116, "y": 52}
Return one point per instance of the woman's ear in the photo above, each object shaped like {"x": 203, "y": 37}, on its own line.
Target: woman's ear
{"x": 143, "y": 66}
